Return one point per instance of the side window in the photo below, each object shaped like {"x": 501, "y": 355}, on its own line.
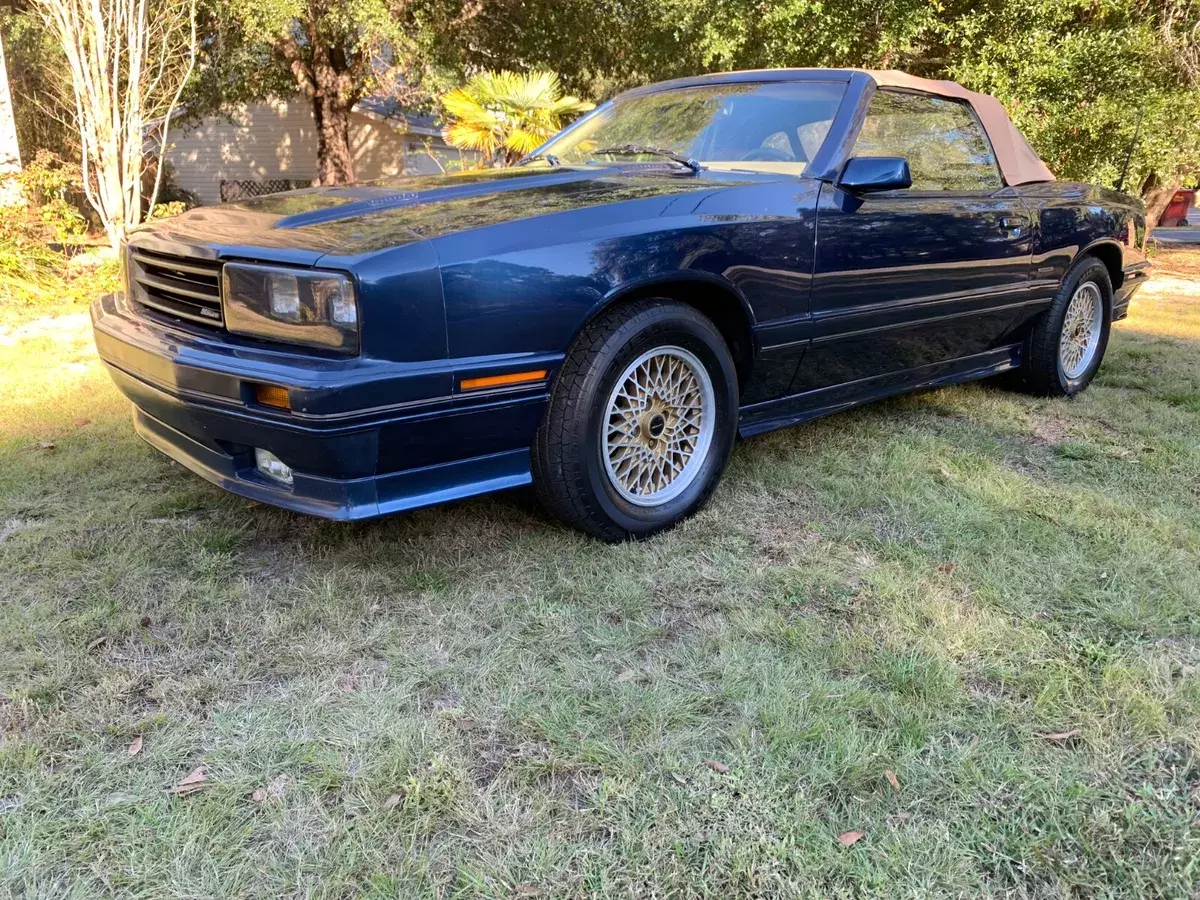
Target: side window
{"x": 944, "y": 144}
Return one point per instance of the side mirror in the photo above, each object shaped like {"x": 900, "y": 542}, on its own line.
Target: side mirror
{"x": 864, "y": 174}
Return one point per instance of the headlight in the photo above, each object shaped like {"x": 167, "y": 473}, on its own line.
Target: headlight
{"x": 297, "y": 306}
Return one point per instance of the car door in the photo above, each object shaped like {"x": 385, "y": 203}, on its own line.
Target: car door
{"x": 908, "y": 279}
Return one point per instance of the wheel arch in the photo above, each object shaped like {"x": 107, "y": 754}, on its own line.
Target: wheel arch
{"x": 711, "y": 295}
{"x": 1108, "y": 252}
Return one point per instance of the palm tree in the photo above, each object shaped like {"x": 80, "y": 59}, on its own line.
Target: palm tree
{"x": 505, "y": 115}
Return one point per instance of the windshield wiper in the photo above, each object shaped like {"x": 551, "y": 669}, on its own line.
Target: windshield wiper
{"x": 549, "y": 158}
{"x": 638, "y": 149}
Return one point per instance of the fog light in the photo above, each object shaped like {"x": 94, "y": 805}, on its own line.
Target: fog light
{"x": 272, "y": 466}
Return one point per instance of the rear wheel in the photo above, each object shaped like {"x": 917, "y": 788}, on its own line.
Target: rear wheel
{"x": 641, "y": 421}
{"x": 1067, "y": 343}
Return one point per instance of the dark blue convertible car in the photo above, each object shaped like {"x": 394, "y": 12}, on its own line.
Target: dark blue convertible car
{"x": 693, "y": 261}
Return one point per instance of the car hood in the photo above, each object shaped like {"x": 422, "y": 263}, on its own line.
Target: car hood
{"x": 302, "y": 226}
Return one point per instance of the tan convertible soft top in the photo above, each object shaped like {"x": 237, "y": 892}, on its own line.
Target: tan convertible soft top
{"x": 1018, "y": 162}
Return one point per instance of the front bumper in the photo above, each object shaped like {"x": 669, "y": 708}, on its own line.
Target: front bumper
{"x": 364, "y": 437}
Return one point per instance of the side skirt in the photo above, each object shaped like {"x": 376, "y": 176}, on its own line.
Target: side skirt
{"x": 759, "y": 418}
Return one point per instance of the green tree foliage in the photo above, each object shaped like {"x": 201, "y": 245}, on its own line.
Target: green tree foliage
{"x": 601, "y": 47}
{"x": 1087, "y": 81}
{"x": 505, "y": 115}
{"x": 41, "y": 89}
{"x": 1077, "y": 75}
{"x": 1082, "y": 78}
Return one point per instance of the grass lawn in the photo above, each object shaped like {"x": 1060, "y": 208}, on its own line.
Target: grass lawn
{"x": 965, "y": 624}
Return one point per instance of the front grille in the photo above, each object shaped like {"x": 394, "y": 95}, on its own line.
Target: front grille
{"x": 177, "y": 285}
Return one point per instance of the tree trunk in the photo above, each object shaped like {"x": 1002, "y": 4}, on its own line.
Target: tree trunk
{"x": 1157, "y": 195}
{"x": 335, "y": 162}
{"x": 333, "y": 79}
{"x": 10, "y": 155}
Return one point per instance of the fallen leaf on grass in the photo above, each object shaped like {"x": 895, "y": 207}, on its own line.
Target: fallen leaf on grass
{"x": 1060, "y": 736}
{"x": 850, "y": 838}
{"x": 679, "y": 779}
{"x": 716, "y": 766}
{"x": 274, "y": 789}
{"x": 627, "y": 676}
{"x": 193, "y": 782}
{"x": 103, "y": 639}
{"x": 527, "y": 890}
{"x": 892, "y": 780}
{"x": 136, "y": 747}
{"x": 947, "y": 567}
{"x": 81, "y": 421}
{"x": 531, "y": 750}
{"x": 45, "y": 445}
{"x": 901, "y": 817}
{"x": 145, "y": 622}
{"x": 391, "y": 802}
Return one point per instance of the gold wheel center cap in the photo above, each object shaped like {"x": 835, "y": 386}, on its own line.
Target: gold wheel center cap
{"x": 652, "y": 424}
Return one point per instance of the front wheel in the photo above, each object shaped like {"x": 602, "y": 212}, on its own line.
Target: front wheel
{"x": 641, "y": 421}
{"x": 1067, "y": 343}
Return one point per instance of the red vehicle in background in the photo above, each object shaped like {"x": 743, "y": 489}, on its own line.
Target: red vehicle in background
{"x": 1177, "y": 210}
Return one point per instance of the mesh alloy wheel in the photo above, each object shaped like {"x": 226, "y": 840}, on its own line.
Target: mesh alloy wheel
{"x": 1081, "y": 329}
{"x": 659, "y": 426}
{"x": 640, "y": 423}
{"x": 1065, "y": 344}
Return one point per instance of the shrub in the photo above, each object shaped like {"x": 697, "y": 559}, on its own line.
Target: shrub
{"x": 166, "y": 210}
{"x": 54, "y": 194}
{"x": 40, "y": 230}
{"x": 172, "y": 199}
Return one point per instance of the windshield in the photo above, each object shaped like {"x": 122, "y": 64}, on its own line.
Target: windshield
{"x": 774, "y": 127}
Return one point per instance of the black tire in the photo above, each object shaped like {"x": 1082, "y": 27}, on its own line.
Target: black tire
{"x": 1041, "y": 372}
{"x": 569, "y": 466}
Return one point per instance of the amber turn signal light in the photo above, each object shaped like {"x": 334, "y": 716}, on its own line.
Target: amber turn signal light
{"x": 272, "y": 395}
{"x": 489, "y": 381}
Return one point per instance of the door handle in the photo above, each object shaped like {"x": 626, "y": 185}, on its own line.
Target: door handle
{"x": 1013, "y": 223}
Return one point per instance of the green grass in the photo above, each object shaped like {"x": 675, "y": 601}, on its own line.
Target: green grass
{"x": 472, "y": 701}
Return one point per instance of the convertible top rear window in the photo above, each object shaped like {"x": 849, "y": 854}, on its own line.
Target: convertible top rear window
{"x": 769, "y": 127}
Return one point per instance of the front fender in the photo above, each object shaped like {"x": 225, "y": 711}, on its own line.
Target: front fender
{"x": 552, "y": 274}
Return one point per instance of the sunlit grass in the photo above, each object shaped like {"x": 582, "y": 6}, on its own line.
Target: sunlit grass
{"x": 471, "y": 700}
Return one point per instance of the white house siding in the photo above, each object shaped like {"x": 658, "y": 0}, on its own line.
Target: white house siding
{"x": 278, "y": 139}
